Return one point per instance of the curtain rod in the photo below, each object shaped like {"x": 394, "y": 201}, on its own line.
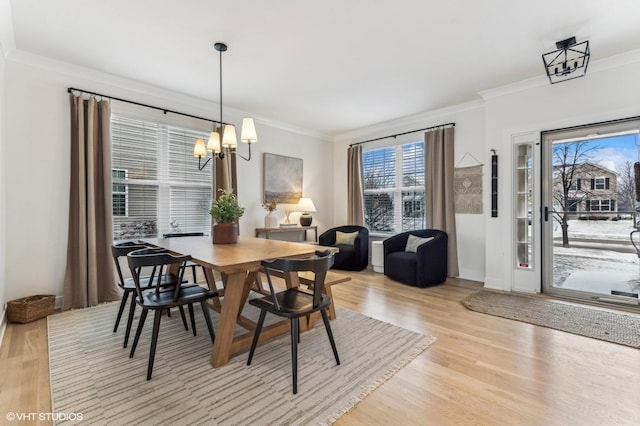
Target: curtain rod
{"x": 164, "y": 110}
{"x": 404, "y": 133}
{"x": 599, "y": 123}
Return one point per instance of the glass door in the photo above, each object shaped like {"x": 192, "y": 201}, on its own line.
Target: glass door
{"x": 589, "y": 213}
{"x": 523, "y": 201}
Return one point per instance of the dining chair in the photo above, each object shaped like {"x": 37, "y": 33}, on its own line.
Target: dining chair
{"x": 119, "y": 250}
{"x": 190, "y": 264}
{"x": 159, "y": 300}
{"x": 295, "y": 302}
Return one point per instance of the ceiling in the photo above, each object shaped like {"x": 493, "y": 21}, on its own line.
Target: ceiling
{"x": 332, "y": 66}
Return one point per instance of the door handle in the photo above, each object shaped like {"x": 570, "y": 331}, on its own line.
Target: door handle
{"x": 546, "y": 214}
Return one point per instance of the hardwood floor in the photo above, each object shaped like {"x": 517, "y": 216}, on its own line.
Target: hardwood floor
{"x": 482, "y": 370}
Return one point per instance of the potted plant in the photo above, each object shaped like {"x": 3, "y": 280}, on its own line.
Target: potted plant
{"x": 225, "y": 212}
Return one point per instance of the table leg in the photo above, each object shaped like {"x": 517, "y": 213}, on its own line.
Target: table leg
{"x": 249, "y": 280}
{"x": 291, "y": 279}
{"x": 211, "y": 281}
{"x": 231, "y": 307}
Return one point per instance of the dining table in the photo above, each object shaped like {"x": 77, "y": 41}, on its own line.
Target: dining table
{"x": 238, "y": 265}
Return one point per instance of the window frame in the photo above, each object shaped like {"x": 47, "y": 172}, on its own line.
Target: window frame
{"x": 600, "y": 203}
{"x": 398, "y": 191}
{"x": 600, "y": 183}
{"x": 157, "y": 217}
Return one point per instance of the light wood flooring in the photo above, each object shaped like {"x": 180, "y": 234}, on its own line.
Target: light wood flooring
{"x": 482, "y": 370}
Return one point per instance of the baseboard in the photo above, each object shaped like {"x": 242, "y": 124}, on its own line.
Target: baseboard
{"x": 471, "y": 274}
{"x": 494, "y": 284}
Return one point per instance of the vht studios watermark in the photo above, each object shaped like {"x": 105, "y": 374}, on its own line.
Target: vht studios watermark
{"x": 56, "y": 417}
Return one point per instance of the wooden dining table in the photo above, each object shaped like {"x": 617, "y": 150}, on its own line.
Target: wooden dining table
{"x": 238, "y": 265}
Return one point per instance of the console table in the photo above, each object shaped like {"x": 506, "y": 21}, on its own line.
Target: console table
{"x": 299, "y": 229}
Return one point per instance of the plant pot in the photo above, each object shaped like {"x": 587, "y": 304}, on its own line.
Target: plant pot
{"x": 225, "y": 233}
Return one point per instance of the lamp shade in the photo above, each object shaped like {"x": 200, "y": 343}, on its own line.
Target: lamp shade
{"x": 248, "y": 134}
{"x": 199, "y": 150}
{"x": 229, "y": 136}
{"x": 306, "y": 205}
{"x": 214, "y": 142}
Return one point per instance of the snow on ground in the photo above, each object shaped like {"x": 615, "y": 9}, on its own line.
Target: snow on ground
{"x": 597, "y": 229}
{"x": 597, "y": 270}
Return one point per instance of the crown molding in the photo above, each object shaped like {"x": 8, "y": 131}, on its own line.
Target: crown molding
{"x": 399, "y": 124}
{"x": 631, "y": 57}
{"x": 93, "y": 79}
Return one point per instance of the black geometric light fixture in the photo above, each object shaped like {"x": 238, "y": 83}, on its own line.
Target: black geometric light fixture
{"x": 229, "y": 139}
{"x": 568, "y": 62}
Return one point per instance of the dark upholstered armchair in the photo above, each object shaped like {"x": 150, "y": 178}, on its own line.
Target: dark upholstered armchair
{"x": 351, "y": 257}
{"x": 425, "y": 266}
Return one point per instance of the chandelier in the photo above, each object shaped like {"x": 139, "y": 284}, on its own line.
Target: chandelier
{"x": 568, "y": 62}
{"x": 229, "y": 140}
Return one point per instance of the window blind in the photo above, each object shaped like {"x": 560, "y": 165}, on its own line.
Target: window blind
{"x": 393, "y": 180}
{"x": 154, "y": 167}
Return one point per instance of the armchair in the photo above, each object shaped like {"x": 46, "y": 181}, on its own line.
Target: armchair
{"x": 424, "y": 267}
{"x": 351, "y": 257}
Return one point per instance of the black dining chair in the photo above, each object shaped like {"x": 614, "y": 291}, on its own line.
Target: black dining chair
{"x": 294, "y": 303}
{"x": 190, "y": 264}
{"x": 159, "y": 300}
{"x": 119, "y": 250}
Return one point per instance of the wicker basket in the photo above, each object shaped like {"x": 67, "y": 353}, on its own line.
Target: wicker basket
{"x": 30, "y": 308}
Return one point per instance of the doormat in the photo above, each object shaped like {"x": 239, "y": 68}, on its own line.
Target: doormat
{"x": 594, "y": 322}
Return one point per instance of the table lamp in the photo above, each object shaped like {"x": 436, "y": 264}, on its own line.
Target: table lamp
{"x": 305, "y": 205}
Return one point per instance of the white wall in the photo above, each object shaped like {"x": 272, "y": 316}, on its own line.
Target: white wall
{"x": 469, "y": 139}
{"x": 601, "y": 95}
{"x": 37, "y": 144}
{"x": 3, "y": 168}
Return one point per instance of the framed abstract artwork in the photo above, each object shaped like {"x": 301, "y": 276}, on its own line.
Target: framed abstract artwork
{"x": 282, "y": 179}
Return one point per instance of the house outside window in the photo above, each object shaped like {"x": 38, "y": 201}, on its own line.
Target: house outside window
{"x": 394, "y": 188}
{"x": 593, "y": 188}
{"x": 156, "y": 181}
{"x": 119, "y": 192}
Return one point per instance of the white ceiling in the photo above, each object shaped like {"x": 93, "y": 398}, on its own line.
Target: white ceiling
{"x": 331, "y": 66}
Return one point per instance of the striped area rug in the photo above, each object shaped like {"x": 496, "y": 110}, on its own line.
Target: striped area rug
{"x": 93, "y": 376}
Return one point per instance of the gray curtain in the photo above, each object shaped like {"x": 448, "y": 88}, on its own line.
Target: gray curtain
{"x": 439, "y": 196}
{"x": 89, "y": 277}
{"x": 355, "y": 211}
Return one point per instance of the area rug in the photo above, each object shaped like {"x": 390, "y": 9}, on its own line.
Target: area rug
{"x": 616, "y": 327}
{"x": 92, "y": 375}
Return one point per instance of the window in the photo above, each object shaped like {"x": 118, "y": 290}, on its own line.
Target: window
{"x": 393, "y": 180}
{"x": 575, "y": 185}
{"x": 157, "y": 187}
{"x": 119, "y": 191}
{"x": 600, "y": 183}
{"x": 602, "y": 205}
{"x": 573, "y": 204}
